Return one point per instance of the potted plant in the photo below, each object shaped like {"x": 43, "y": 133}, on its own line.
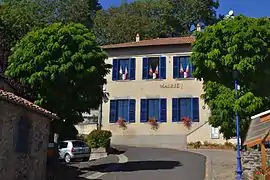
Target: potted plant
{"x": 122, "y": 123}
{"x": 187, "y": 122}
{"x": 153, "y": 123}
{"x": 99, "y": 142}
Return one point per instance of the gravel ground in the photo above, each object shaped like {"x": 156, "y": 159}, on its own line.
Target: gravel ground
{"x": 221, "y": 163}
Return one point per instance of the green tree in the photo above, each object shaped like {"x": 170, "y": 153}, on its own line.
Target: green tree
{"x": 241, "y": 44}
{"x": 18, "y": 17}
{"x": 62, "y": 67}
{"x": 152, "y": 19}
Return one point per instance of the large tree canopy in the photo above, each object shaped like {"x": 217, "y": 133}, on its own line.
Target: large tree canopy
{"x": 152, "y": 19}
{"x": 63, "y": 67}
{"x": 241, "y": 44}
{"x": 18, "y": 17}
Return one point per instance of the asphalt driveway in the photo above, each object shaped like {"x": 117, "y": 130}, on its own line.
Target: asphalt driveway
{"x": 153, "y": 164}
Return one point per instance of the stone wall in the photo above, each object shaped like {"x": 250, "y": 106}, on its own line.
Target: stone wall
{"x": 251, "y": 159}
{"x": 18, "y": 166}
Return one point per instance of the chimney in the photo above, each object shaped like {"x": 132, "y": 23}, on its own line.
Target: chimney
{"x": 198, "y": 27}
{"x": 137, "y": 37}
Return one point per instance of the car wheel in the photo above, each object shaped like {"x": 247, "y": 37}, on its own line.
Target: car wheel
{"x": 86, "y": 159}
{"x": 67, "y": 158}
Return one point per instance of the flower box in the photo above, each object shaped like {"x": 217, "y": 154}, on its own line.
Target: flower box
{"x": 186, "y": 121}
{"x": 122, "y": 123}
{"x": 153, "y": 123}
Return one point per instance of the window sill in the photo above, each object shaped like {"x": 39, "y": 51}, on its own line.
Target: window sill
{"x": 154, "y": 79}
{"x": 184, "y": 79}
{"x": 128, "y": 80}
{"x": 182, "y": 122}
{"x": 125, "y": 122}
{"x": 149, "y": 123}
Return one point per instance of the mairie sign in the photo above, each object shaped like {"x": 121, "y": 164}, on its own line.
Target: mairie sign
{"x": 172, "y": 85}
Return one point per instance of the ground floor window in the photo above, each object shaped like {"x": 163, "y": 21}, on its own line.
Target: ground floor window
{"x": 153, "y": 109}
{"x": 185, "y": 108}
{"x": 122, "y": 109}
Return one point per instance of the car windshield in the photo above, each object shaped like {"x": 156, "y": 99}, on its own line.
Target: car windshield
{"x": 79, "y": 144}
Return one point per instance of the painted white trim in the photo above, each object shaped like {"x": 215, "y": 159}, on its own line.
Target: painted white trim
{"x": 121, "y": 98}
{"x": 260, "y": 114}
{"x": 181, "y": 54}
{"x": 153, "y": 97}
{"x": 154, "y": 55}
{"x": 185, "y": 96}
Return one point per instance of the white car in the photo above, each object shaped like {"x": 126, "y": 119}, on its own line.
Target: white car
{"x": 73, "y": 149}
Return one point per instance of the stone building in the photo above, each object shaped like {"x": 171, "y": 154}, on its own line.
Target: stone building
{"x": 24, "y": 134}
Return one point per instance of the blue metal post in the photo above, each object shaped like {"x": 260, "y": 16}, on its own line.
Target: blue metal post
{"x": 239, "y": 165}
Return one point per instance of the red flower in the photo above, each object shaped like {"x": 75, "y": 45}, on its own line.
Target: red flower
{"x": 187, "y": 121}
{"x": 122, "y": 123}
{"x": 153, "y": 123}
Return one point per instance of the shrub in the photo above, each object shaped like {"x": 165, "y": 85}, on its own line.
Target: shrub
{"x": 197, "y": 144}
{"x": 228, "y": 144}
{"x": 99, "y": 138}
{"x": 206, "y": 143}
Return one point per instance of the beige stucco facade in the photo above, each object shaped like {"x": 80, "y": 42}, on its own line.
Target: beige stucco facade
{"x": 141, "y": 133}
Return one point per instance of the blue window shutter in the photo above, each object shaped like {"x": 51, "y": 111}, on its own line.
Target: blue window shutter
{"x": 182, "y": 64}
{"x": 190, "y": 68}
{"x": 144, "y": 110}
{"x": 162, "y": 67}
{"x": 132, "y": 68}
{"x": 175, "y": 110}
{"x": 113, "y": 111}
{"x": 115, "y": 70}
{"x": 181, "y": 108}
{"x": 132, "y": 110}
{"x": 163, "y": 110}
{"x": 176, "y": 68}
{"x": 196, "y": 111}
{"x": 145, "y": 68}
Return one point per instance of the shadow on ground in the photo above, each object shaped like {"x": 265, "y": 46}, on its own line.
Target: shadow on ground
{"x": 59, "y": 171}
{"x": 115, "y": 151}
{"x": 134, "y": 166}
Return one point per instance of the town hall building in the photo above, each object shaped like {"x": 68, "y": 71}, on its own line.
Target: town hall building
{"x": 152, "y": 80}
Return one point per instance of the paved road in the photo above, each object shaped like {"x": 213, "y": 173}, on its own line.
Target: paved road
{"x": 154, "y": 164}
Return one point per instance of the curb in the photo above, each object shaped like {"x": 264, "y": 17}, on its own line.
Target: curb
{"x": 121, "y": 159}
{"x": 207, "y": 163}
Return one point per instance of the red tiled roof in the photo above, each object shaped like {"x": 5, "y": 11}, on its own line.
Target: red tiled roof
{"x": 153, "y": 42}
{"x": 10, "y": 97}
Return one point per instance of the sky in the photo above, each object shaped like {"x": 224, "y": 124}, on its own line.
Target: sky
{"x": 252, "y": 8}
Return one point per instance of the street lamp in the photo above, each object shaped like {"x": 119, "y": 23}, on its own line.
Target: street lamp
{"x": 238, "y": 156}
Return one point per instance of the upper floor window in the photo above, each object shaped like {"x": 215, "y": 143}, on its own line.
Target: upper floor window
{"x": 185, "y": 108}
{"x": 122, "y": 109}
{"x": 22, "y": 136}
{"x": 154, "y": 68}
{"x": 182, "y": 67}
{"x": 154, "y": 109}
{"x": 124, "y": 69}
